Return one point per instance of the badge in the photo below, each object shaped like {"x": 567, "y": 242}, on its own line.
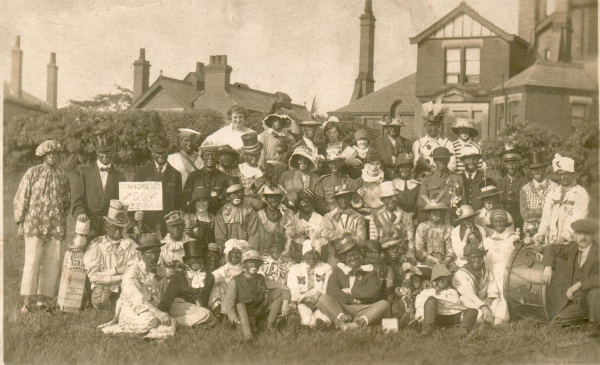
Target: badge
{"x": 213, "y": 194}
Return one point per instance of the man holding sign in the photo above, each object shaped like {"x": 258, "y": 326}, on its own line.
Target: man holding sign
{"x": 159, "y": 170}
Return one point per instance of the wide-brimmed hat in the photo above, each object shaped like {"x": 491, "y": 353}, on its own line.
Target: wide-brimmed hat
{"x": 191, "y": 249}
{"x": 234, "y": 185}
{"x": 333, "y": 155}
{"x": 208, "y": 149}
{"x": 117, "y": 214}
{"x": 537, "y": 159}
{"x": 306, "y": 153}
{"x": 228, "y": 149}
{"x": 404, "y": 159}
{"x": 345, "y": 244}
{"x": 387, "y": 189}
{"x": 441, "y": 152}
{"x": 174, "y": 218}
{"x": 343, "y": 189}
{"x": 82, "y": 227}
{"x": 511, "y": 153}
{"x": 148, "y": 241}
{"x": 48, "y": 146}
{"x": 469, "y": 151}
{"x": 439, "y": 270}
{"x": 251, "y": 255}
{"x": 586, "y": 225}
{"x": 394, "y": 122}
{"x": 434, "y": 204}
{"x": 188, "y": 133}
{"x": 103, "y": 141}
{"x": 435, "y": 112}
{"x": 465, "y": 123}
{"x": 471, "y": 248}
{"x": 312, "y": 123}
{"x": 465, "y": 211}
{"x": 273, "y": 190}
{"x": 362, "y": 133}
{"x": 283, "y": 118}
{"x": 251, "y": 143}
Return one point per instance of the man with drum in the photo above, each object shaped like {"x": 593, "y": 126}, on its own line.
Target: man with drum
{"x": 210, "y": 178}
{"x": 580, "y": 276}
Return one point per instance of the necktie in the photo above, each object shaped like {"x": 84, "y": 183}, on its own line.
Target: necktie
{"x": 580, "y": 260}
{"x": 392, "y": 217}
{"x": 161, "y": 170}
{"x": 104, "y": 169}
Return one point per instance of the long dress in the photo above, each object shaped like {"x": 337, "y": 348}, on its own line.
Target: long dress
{"x": 202, "y": 231}
{"x": 500, "y": 246}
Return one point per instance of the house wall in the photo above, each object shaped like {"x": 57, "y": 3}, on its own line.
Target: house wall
{"x": 12, "y": 110}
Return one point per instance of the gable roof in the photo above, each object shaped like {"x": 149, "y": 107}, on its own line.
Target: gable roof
{"x": 553, "y": 75}
{"x": 26, "y": 99}
{"x": 380, "y": 101}
{"x": 261, "y": 101}
{"x": 182, "y": 91}
{"x": 467, "y": 10}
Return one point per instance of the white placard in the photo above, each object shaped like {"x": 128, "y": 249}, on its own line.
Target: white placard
{"x": 143, "y": 195}
{"x": 389, "y": 324}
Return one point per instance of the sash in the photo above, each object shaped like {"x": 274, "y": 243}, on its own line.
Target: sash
{"x": 188, "y": 164}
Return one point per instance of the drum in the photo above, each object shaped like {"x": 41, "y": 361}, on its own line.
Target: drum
{"x": 372, "y": 194}
{"x": 523, "y": 288}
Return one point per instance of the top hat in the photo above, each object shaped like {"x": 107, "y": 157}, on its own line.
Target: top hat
{"x": 234, "y": 185}
{"x": 439, "y": 270}
{"x": 191, "y": 249}
{"x": 82, "y": 227}
{"x": 117, "y": 214}
{"x": 441, "y": 152}
{"x": 465, "y": 211}
{"x": 251, "y": 255}
{"x": 187, "y": 133}
{"x": 361, "y": 133}
{"x": 345, "y": 244}
{"x": 285, "y": 120}
{"x": 585, "y": 225}
{"x": 537, "y": 159}
{"x": 174, "y": 218}
{"x": 228, "y": 149}
{"x": 342, "y": 190}
{"x": 251, "y": 143}
{"x": 465, "y": 123}
{"x": 157, "y": 144}
{"x": 404, "y": 159}
{"x": 102, "y": 139}
{"x": 148, "y": 241}
{"x": 48, "y": 146}
{"x": 387, "y": 189}
{"x": 488, "y": 188}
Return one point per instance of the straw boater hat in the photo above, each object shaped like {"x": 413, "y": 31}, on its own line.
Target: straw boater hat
{"x": 465, "y": 211}
{"x": 343, "y": 189}
{"x": 174, "y": 218}
{"x": 488, "y": 188}
{"x": 391, "y": 119}
{"x": 465, "y": 123}
{"x": 537, "y": 159}
{"x": 117, "y": 214}
{"x": 435, "y": 113}
{"x": 439, "y": 270}
{"x": 48, "y": 146}
{"x": 435, "y": 204}
{"x": 304, "y": 152}
{"x": 103, "y": 141}
{"x": 148, "y": 241}
{"x": 387, "y": 189}
{"x": 188, "y": 133}
{"x": 469, "y": 151}
{"x": 234, "y": 185}
{"x": 251, "y": 143}
{"x": 191, "y": 249}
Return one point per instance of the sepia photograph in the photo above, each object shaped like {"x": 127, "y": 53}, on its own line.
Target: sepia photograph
{"x": 300, "y": 182}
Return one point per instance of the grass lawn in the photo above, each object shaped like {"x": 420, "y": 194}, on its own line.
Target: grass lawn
{"x": 65, "y": 338}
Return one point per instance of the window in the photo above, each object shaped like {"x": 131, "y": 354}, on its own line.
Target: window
{"x": 513, "y": 111}
{"x": 499, "y": 117}
{"x": 452, "y": 66}
{"x": 578, "y": 113}
{"x": 547, "y": 54}
{"x": 472, "y": 65}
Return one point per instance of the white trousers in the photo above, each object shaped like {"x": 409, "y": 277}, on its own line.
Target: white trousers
{"x": 499, "y": 309}
{"x": 309, "y": 318}
{"x": 43, "y": 259}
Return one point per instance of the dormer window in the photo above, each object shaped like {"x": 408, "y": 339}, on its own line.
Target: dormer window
{"x": 463, "y": 65}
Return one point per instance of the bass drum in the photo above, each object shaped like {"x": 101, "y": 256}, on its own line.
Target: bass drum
{"x": 523, "y": 288}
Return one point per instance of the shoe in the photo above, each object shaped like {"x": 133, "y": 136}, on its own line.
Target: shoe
{"x": 349, "y": 327}
{"x": 26, "y": 309}
{"x": 427, "y": 330}
{"x": 320, "y": 324}
{"x": 360, "y": 321}
{"x": 293, "y": 322}
{"x": 460, "y": 332}
{"x": 280, "y": 323}
{"x": 342, "y": 320}
{"x": 44, "y": 307}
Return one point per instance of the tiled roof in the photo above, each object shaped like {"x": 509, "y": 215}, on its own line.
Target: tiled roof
{"x": 261, "y": 101}
{"x": 553, "y": 75}
{"x": 380, "y": 101}
{"x": 26, "y": 99}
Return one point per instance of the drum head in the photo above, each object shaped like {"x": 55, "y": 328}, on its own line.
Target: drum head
{"x": 372, "y": 196}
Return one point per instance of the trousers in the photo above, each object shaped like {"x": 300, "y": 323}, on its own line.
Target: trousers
{"x": 309, "y": 315}
{"x": 587, "y": 308}
{"x": 373, "y": 313}
{"x": 188, "y": 314}
{"x": 103, "y": 297}
{"x": 466, "y": 318}
{"x": 43, "y": 259}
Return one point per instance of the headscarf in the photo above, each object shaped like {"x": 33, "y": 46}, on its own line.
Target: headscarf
{"x": 563, "y": 163}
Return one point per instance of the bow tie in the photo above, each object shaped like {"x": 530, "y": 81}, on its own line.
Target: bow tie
{"x": 354, "y": 272}
{"x": 104, "y": 169}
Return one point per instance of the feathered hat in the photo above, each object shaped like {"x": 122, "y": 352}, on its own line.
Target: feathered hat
{"x": 275, "y": 114}
{"x": 435, "y": 113}
{"x": 392, "y": 119}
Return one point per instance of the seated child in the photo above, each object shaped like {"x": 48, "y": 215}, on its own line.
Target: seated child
{"x": 441, "y": 305}
{"x": 432, "y": 240}
{"x": 233, "y": 255}
{"x": 275, "y": 265}
{"x": 172, "y": 252}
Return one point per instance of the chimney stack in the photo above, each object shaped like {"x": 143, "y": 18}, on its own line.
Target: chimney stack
{"x": 527, "y": 20}
{"x": 199, "y": 76}
{"x": 217, "y": 75}
{"x": 365, "y": 83}
{"x": 141, "y": 75}
{"x": 16, "y": 72}
{"x": 52, "y": 85}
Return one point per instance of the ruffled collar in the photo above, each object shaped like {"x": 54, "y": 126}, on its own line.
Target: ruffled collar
{"x": 234, "y": 214}
{"x": 502, "y": 236}
{"x": 369, "y": 179}
{"x": 172, "y": 245}
{"x": 361, "y": 153}
{"x": 250, "y": 172}
{"x": 196, "y": 278}
{"x": 347, "y": 269}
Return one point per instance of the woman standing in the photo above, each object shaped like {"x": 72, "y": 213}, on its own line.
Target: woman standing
{"x": 41, "y": 205}
{"x": 301, "y": 175}
{"x": 199, "y": 222}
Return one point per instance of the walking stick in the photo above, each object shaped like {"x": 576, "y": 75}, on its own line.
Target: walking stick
{"x": 244, "y": 321}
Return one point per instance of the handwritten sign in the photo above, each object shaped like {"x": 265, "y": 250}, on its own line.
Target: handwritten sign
{"x": 145, "y": 195}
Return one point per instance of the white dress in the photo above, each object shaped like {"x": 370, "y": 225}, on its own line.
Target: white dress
{"x": 500, "y": 246}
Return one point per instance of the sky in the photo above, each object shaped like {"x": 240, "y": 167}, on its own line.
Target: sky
{"x": 305, "y": 48}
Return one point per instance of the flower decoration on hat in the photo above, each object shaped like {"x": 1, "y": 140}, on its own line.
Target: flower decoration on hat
{"x": 48, "y": 146}
{"x": 435, "y": 112}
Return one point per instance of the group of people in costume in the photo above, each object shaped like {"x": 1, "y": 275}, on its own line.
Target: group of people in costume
{"x": 275, "y": 231}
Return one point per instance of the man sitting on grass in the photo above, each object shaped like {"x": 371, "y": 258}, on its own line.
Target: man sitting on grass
{"x": 250, "y": 289}
{"x": 441, "y": 305}
{"x": 352, "y": 290}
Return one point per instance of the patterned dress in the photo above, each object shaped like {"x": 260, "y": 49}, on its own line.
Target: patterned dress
{"x": 276, "y": 270}
{"x": 533, "y": 196}
{"x": 42, "y": 202}
{"x": 203, "y": 232}
{"x": 435, "y": 240}
{"x": 252, "y": 179}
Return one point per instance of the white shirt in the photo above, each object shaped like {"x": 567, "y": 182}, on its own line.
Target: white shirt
{"x": 227, "y": 135}
{"x": 583, "y": 254}
{"x": 103, "y": 174}
{"x": 162, "y": 168}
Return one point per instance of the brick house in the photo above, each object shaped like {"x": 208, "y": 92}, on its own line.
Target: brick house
{"x": 207, "y": 87}
{"x": 561, "y": 88}
{"x": 19, "y": 102}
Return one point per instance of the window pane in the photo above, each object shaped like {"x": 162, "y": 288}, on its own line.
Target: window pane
{"x": 452, "y": 79}
{"x": 453, "y": 67}
{"x": 472, "y": 68}
{"x": 473, "y": 54}
{"x": 453, "y": 54}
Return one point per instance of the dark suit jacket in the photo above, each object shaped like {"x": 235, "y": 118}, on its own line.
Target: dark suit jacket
{"x": 179, "y": 287}
{"x": 471, "y": 190}
{"x": 563, "y": 259}
{"x": 171, "y": 185}
{"x": 510, "y": 196}
{"x": 366, "y": 286}
{"x": 87, "y": 196}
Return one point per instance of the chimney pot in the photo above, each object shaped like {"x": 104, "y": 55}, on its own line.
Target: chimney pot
{"x": 212, "y": 60}
{"x": 52, "y": 58}
{"x": 224, "y": 59}
{"x": 142, "y": 54}
{"x": 199, "y": 66}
